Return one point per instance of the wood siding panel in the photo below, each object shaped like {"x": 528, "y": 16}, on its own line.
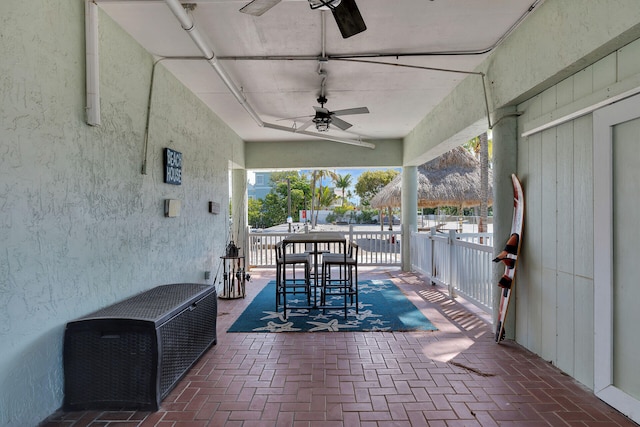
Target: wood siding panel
{"x": 565, "y": 331}
{"x": 555, "y": 293}
{"x": 548, "y": 349}
{"x": 520, "y": 316}
{"x": 565, "y": 92}
{"x": 604, "y": 72}
{"x": 629, "y": 60}
{"x": 548, "y": 198}
{"x": 549, "y": 237}
{"x": 584, "y": 324}
{"x": 535, "y": 220}
{"x": 582, "y": 83}
{"x": 548, "y": 100}
{"x": 583, "y": 196}
{"x": 565, "y": 198}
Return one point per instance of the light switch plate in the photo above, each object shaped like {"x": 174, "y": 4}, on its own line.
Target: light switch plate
{"x": 171, "y": 208}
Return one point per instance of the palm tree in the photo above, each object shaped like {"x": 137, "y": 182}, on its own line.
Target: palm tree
{"x": 317, "y": 176}
{"x": 480, "y": 146}
{"x": 343, "y": 182}
{"x": 326, "y": 197}
{"x": 350, "y": 196}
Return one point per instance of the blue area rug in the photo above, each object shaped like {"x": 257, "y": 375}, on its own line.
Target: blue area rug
{"x": 382, "y": 307}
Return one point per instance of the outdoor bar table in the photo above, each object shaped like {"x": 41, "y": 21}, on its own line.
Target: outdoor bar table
{"x": 314, "y": 238}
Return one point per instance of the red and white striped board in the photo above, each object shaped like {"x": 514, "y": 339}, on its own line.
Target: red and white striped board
{"x": 509, "y": 258}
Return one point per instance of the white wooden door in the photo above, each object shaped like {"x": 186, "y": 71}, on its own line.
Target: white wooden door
{"x": 617, "y": 255}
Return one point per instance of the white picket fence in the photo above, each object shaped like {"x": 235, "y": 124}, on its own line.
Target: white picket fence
{"x": 459, "y": 261}
{"x": 375, "y": 247}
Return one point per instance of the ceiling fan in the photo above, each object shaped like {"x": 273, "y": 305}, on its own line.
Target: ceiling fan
{"x": 324, "y": 118}
{"x": 345, "y": 12}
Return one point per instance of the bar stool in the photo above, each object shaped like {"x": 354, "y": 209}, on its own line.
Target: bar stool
{"x": 316, "y": 252}
{"x": 346, "y": 284}
{"x": 291, "y": 285}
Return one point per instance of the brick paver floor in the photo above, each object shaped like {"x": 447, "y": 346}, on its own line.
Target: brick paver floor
{"x": 456, "y": 376}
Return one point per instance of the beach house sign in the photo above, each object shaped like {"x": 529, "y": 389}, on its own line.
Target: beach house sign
{"x": 172, "y": 166}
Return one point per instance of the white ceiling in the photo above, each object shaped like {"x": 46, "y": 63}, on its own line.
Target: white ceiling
{"x": 397, "y": 97}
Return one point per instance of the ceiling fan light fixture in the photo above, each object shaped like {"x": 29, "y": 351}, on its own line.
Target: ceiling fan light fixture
{"x": 322, "y": 123}
{"x": 324, "y": 4}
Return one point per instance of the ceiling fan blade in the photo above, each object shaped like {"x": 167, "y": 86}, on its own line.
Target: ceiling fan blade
{"x": 348, "y": 18}
{"x": 305, "y": 125}
{"x": 358, "y": 110}
{"x": 258, "y": 7}
{"x": 293, "y": 118}
{"x": 340, "y": 123}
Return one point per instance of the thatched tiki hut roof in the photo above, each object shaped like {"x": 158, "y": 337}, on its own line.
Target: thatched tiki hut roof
{"x": 453, "y": 179}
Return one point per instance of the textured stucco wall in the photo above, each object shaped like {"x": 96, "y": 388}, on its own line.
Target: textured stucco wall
{"x": 559, "y": 38}
{"x": 80, "y": 226}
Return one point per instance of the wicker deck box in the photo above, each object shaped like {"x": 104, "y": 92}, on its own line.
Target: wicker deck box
{"x": 131, "y": 354}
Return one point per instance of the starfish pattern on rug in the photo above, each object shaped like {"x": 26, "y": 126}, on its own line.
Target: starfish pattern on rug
{"x": 381, "y": 307}
{"x": 372, "y": 286}
{"x": 278, "y": 327}
{"x": 331, "y": 326}
{"x": 280, "y": 314}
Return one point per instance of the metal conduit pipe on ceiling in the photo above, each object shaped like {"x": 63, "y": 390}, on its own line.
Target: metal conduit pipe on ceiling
{"x": 92, "y": 63}
{"x": 324, "y": 56}
{"x": 188, "y": 25}
{"x": 93, "y": 84}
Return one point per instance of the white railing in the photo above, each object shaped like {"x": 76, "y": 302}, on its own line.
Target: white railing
{"x": 375, "y": 247}
{"x": 466, "y": 224}
{"x": 460, "y": 261}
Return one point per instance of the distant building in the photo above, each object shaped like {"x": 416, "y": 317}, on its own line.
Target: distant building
{"x": 262, "y": 186}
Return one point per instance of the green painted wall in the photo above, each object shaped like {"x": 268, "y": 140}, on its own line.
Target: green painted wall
{"x": 321, "y": 154}
{"x": 80, "y": 226}
{"x": 560, "y": 38}
{"x": 555, "y": 304}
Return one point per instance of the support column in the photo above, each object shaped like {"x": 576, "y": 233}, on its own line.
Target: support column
{"x": 239, "y": 208}
{"x": 505, "y": 162}
{"x": 409, "y": 210}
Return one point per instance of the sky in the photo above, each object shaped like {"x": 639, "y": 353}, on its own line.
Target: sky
{"x": 355, "y": 174}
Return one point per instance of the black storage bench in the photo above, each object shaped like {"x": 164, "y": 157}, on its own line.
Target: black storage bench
{"x": 131, "y": 354}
